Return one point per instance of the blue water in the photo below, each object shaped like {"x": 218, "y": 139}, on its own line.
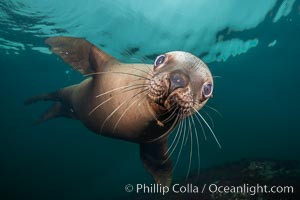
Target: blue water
{"x": 252, "y": 46}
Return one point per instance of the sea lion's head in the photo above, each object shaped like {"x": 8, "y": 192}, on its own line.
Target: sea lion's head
{"x": 180, "y": 82}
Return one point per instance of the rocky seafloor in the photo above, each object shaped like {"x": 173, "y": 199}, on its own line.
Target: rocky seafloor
{"x": 248, "y": 174}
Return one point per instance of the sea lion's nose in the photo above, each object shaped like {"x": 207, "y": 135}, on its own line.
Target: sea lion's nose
{"x": 177, "y": 81}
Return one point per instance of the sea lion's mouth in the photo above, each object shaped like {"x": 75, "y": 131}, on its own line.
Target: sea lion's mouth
{"x": 171, "y": 92}
{"x": 180, "y": 100}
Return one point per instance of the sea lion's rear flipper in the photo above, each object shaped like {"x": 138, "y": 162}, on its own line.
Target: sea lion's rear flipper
{"x": 156, "y": 160}
{"x": 80, "y": 54}
{"x": 57, "y": 109}
{"x": 60, "y": 107}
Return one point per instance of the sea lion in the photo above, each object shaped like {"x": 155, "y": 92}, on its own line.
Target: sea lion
{"x": 140, "y": 103}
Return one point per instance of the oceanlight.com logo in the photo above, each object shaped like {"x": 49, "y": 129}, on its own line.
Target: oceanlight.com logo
{"x": 211, "y": 188}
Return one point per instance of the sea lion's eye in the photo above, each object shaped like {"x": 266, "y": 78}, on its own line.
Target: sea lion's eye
{"x": 159, "y": 60}
{"x": 207, "y": 90}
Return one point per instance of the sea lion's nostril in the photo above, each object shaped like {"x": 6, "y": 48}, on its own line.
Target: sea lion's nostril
{"x": 177, "y": 81}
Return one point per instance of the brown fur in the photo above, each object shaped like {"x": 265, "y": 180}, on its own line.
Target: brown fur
{"x": 129, "y": 113}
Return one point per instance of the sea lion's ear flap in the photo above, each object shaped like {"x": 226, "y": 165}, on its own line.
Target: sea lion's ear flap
{"x": 80, "y": 54}
{"x": 156, "y": 160}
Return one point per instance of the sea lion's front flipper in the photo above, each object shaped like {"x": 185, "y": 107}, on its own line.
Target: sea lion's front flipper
{"x": 80, "y": 54}
{"x": 156, "y": 160}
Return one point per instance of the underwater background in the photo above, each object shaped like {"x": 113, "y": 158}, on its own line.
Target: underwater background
{"x": 252, "y": 46}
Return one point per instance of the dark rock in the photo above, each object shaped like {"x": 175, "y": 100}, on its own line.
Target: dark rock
{"x": 251, "y": 179}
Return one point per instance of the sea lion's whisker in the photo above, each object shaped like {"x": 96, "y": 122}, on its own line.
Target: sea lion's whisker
{"x": 187, "y": 135}
{"x": 119, "y": 88}
{"x": 169, "y": 110}
{"x": 146, "y": 72}
{"x": 171, "y": 116}
{"x": 219, "y": 113}
{"x": 179, "y": 133}
{"x": 217, "y": 76}
{"x": 198, "y": 147}
{"x": 191, "y": 147}
{"x": 102, "y": 103}
{"x": 202, "y": 128}
{"x": 98, "y": 106}
{"x": 210, "y": 118}
{"x": 166, "y": 133}
{"x": 181, "y": 146}
{"x": 212, "y": 132}
{"x": 133, "y": 88}
{"x": 115, "y": 72}
{"x": 170, "y": 147}
{"x": 118, "y": 107}
{"x": 125, "y": 111}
